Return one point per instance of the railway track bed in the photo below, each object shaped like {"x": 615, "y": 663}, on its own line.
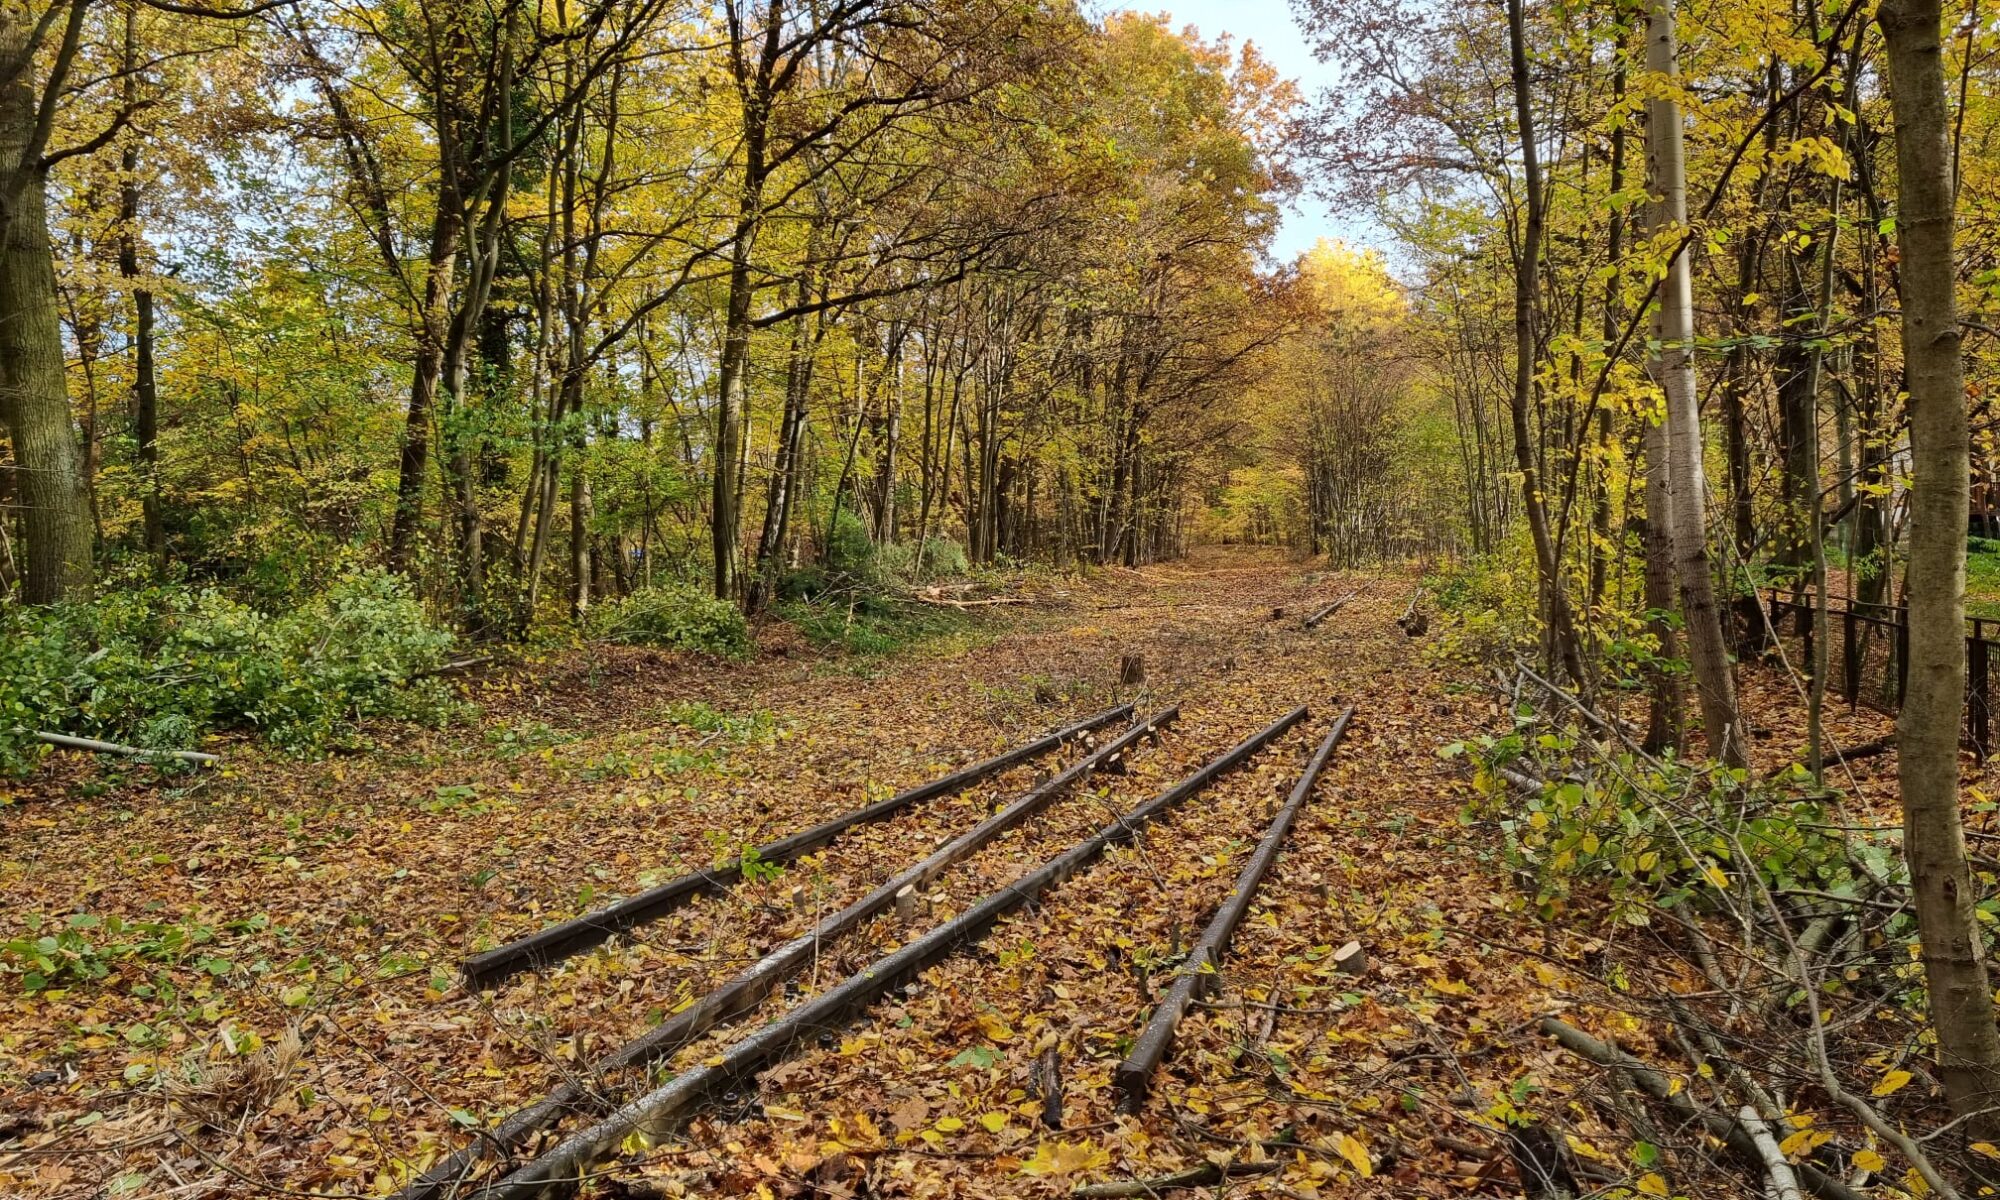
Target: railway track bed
{"x": 990, "y": 1069}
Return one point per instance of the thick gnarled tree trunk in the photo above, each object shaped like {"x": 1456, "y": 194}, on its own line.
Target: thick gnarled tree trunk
{"x": 34, "y": 389}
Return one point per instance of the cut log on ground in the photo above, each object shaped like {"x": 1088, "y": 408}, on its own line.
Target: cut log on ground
{"x": 948, "y": 602}
{"x": 1322, "y": 614}
{"x": 1351, "y": 959}
{"x": 659, "y": 1111}
{"x": 592, "y": 1093}
{"x": 78, "y": 743}
{"x": 1881, "y": 745}
{"x": 1198, "y": 973}
{"x": 573, "y": 936}
{"x": 1413, "y": 622}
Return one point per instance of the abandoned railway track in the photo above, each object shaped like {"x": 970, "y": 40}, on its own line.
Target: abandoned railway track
{"x": 727, "y": 1034}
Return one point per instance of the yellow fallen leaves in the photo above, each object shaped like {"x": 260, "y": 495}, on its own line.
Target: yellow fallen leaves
{"x": 1356, "y": 1153}
{"x": 1652, "y": 1183}
{"x": 1803, "y": 1142}
{"x": 1891, "y": 1082}
{"x": 858, "y": 1132}
{"x": 1065, "y": 1158}
{"x": 1869, "y": 1160}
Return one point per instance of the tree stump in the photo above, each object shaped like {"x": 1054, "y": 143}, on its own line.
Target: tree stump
{"x": 1048, "y": 1081}
{"x": 1132, "y": 670}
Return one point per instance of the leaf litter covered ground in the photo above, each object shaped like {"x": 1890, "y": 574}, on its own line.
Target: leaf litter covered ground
{"x": 259, "y": 996}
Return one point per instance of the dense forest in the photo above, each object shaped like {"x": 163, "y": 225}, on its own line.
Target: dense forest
{"x": 537, "y": 305}
{"x": 350, "y": 345}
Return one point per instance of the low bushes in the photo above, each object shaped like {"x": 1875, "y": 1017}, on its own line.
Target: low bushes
{"x": 674, "y": 616}
{"x": 161, "y": 666}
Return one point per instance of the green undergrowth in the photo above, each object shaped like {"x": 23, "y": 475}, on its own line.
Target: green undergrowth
{"x": 162, "y": 667}
{"x": 873, "y": 625}
{"x": 673, "y": 616}
{"x": 1646, "y": 835}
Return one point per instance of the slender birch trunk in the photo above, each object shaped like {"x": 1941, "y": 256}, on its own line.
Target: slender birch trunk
{"x": 1673, "y": 369}
{"x": 1961, "y": 994}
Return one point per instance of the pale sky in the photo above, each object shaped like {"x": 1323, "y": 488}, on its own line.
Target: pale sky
{"x": 1269, "y": 25}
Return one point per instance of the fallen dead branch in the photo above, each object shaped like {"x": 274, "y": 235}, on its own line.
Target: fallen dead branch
{"x": 1322, "y": 614}
{"x": 79, "y": 743}
{"x": 1656, "y": 1084}
{"x": 454, "y": 668}
{"x": 948, "y": 602}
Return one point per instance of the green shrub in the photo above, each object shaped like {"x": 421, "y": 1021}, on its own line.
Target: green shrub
{"x": 941, "y": 559}
{"x": 159, "y": 667}
{"x": 675, "y": 616}
{"x": 1648, "y": 835}
{"x": 849, "y": 551}
{"x": 1490, "y": 611}
{"x": 871, "y": 624}
{"x": 804, "y": 583}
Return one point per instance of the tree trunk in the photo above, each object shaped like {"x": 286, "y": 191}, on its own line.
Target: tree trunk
{"x": 34, "y": 390}
{"x": 1674, "y": 370}
{"x": 1527, "y": 272}
{"x": 432, "y": 324}
{"x": 731, "y": 393}
{"x": 1961, "y": 996}
{"x": 145, "y": 384}
{"x": 785, "y": 471}
{"x": 580, "y": 565}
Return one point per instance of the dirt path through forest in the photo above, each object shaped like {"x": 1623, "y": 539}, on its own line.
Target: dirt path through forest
{"x": 279, "y": 1009}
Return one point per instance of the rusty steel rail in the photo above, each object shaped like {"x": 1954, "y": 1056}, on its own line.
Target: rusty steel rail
{"x": 1321, "y": 615}
{"x": 566, "y": 938}
{"x": 1198, "y": 974}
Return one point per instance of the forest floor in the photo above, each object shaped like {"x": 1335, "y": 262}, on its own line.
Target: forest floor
{"x": 258, "y": 991}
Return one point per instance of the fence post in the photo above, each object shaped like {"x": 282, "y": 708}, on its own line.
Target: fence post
{"x": 1851, "y": 656}
{"x": 1975, "y": 686}
{"x": 1902, "y": 620}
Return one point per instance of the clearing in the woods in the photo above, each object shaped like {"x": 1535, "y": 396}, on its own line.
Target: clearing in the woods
{"x": 263, "y": 993}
